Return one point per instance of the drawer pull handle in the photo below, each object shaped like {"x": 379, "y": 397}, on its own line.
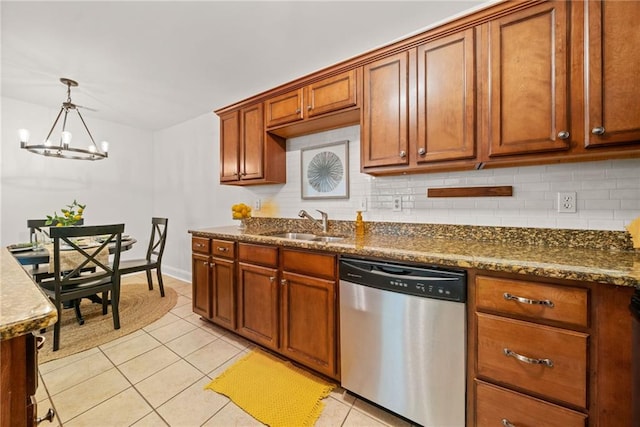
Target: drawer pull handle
{"x": 525, "y": 359}
{"x": 221, "y": 249}
{"x": 49, "y": 416}
{"x": 40, "y": 339}
{"x": 546, "y": 302}
{"x": 507, "y": 423}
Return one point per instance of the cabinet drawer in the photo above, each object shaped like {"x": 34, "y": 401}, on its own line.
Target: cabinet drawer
{"x": 311, "y": 263}
{"x": 565, "y": 381}
{"x": 258, "y": 254}
{"x": 495, "y": 404}
{"x": 201, "y": 245}
{"x": 223, "y": 248}
{"x": 533, "y": 300}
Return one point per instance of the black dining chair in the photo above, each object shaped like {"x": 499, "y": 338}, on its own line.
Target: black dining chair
{"x": 40, "y": 272}
{"x": 72, "y": 285}
{"x": 153, "y": 260}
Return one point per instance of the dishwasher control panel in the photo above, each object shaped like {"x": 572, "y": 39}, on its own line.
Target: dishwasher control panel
{"x": 427, "y": 281}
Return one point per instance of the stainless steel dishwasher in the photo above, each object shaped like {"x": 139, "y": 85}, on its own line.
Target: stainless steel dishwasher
{"x": 403, "y": 338}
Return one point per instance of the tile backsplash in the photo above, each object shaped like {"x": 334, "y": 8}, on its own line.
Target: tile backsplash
{"x": 607, "y": 193}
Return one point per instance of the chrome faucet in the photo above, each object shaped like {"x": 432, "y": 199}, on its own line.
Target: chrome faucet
{"x": 324, "y": 220}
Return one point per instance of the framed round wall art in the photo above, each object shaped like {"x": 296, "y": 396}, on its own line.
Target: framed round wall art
{"x": 324, "y": 171}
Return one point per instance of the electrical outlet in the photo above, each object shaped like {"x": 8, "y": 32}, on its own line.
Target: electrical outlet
{"x": 362, "y": 206}
{"x": 257, "y": 205}
{"x": 397, "y": 203}
{"x": 567, "y": 202}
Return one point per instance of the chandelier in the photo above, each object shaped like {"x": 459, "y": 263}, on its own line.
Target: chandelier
{"x": 63, "y": 149}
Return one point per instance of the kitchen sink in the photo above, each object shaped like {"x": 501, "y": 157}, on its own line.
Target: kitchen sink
{"x": 305, "y": 236}
{"x": 293, "y": 236}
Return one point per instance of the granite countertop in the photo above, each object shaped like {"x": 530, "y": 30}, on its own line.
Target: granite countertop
{"x": 23, "y": 306}
{"x": 461, "y": 246}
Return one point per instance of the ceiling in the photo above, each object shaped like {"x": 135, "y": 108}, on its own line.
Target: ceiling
{"x": 154, "y": 64}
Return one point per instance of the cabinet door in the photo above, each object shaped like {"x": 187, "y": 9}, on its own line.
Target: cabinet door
{"x": 258, "y": 304}
{"x": 613, "y": 73}
{"x": 286, "y": 108}
{"x": 331, "y": 94}
{"x": 446, "y": 99}
{"x": 252, "y": 142}
{"x": 223, "y": 301}
{"x": 229, "y": 146}
{"x": 309, "y": 326}
{"x": 385, "y": 116}
{"x": 201, "y": 283}
{"x": 528, "y": 101}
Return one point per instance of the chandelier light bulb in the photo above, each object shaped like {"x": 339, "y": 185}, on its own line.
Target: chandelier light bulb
{"x": 66, "y": 138}
{"x": 92, "y": 148}
{"x": 105, "y": 146}
{"x": 24, "y": 135}
{"x": 48, "y": 143}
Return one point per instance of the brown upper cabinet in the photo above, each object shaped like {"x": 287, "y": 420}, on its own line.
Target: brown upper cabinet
{"x": 248, "y": 154}
{"x": 518, "y": 83}
{"x": 528, "y": 99}
{"x": 384, "y": 133}
{"x": 325, "y": 96}
{"x": 612, "y": 72}
{"x": 419, "y": 107}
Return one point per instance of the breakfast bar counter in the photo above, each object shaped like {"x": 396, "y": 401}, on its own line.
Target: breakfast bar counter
{"x": 23, "y": 306}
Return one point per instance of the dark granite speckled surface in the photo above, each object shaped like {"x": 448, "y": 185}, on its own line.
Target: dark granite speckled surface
{"x": 586, "y": 255}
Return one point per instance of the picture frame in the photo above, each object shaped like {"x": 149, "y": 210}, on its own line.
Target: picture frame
{"x": 324, "y": 171}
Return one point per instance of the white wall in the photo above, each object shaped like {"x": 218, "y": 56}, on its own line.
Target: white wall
{"x": 115, "y": 190}
{"x": 188, "y": 189}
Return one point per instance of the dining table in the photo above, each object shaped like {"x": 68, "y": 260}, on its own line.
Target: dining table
{"x": 29, "y": 255}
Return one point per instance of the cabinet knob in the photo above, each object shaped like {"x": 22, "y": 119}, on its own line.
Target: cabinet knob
{"x": 309, "y": 108}
{"x": 403, "y": 154}
{"x": 283, "y": 282}
{"x": 563, "y": 134}
{"x": 272, "y": 279}
{"x": 422, "y": 151}
{"x": 297, "y": 111}
{"x": 211, "y": 264}
{"x": 598, "y": 131}
{"x": 205, "y": 263}
{"x": 48, "y": 417}
{"x": 507, "y": 423}
{"x": 221, "y": 249}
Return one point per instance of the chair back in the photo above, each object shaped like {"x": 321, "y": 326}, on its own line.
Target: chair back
{"x": 35, "y": 225}
{"x": 158, "y": 239}
{"x": 86, "y": 256}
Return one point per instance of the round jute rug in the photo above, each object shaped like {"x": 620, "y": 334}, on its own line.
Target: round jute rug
{"x": 139, "y": 307}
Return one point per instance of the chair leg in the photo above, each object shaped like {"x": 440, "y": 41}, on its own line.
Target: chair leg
{"x": 56, "y": 330}
{"x": 115, "y": 304}
{"x": 160, "y": 284}
{"x": 105, "y": 302}
{"x": 76, "y": 308}
{"x": 149, "y": 280}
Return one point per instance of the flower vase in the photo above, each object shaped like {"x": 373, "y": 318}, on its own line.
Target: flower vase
{"x": 243, "y": 224}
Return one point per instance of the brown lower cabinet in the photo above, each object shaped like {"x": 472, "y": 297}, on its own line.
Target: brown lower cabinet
{"x": 282, "y": 299}
{"x": 546, "y": 352}
{"x": 18, "y": 381}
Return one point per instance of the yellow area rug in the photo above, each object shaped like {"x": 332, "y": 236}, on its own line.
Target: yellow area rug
{"x": 273, "y": 391}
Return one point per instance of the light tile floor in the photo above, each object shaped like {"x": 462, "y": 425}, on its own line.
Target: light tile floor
{"x": 156, "y": 377}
